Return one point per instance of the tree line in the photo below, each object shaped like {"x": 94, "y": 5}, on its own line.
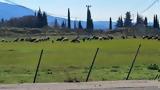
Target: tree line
{"x": 38, "y": 20}
{"x": 127, "y": 22}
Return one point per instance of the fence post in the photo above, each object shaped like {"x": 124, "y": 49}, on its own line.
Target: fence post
{"x": 133, "y": 62}
{"x": 156, "y": 77}
{"x": 92, "y": 65}
{"x": 39, "y": 62}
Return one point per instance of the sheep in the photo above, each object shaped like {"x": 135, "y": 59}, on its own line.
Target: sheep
{"x": 16, "y": 40}
{"x": 60, "y": 39}
{"x": 3, "y": 40}
{"x": 84, "y": 39}
{"x": 110, "y": 37}
{"x": 65, "y": 39}
{"x": 75, "y": 41}
{"x": 100, "y": 38}
{"x": 123, "y": 37}
{"x": 22, "y": 39}
{"x": 149, "y": 38}
{"x": 144, "y": 37}
{"x": 95, "y": 37}
{"x": 156, "y": 37}
{"x": 134, "y": 36}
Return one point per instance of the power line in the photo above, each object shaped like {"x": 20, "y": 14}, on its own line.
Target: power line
{"x": 150, "y": 6}
{"x": 9, "y": 1}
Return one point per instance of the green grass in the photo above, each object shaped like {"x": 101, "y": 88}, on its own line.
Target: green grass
{"x": 65, "y": 60}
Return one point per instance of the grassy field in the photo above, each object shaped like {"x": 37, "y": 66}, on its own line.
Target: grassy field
{"x": 64, "y": 61}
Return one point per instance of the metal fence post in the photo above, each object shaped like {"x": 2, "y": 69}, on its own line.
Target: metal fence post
{"x": 92, "y": 65}
{"x": 39, "y": 62}
{"x": 133, "y": 62}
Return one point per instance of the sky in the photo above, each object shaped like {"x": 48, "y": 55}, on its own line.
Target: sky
{"x": 101, "y": 10}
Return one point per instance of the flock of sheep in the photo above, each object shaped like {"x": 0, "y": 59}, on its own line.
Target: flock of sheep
{"x": 77, "y": 39}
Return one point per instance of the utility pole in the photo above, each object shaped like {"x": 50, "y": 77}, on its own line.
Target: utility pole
{"x": 88, "y": 6}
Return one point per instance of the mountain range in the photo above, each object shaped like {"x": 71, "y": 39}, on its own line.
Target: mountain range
{"x": 13, "y": 10}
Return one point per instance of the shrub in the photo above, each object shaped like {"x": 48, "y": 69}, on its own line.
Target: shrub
{"x": 114, "y": 70}
{"x": 153, "y": 67}
{"x": 115, "y": 66}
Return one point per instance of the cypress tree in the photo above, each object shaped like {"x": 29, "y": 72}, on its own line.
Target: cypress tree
{"x": 119, "y": 22}
{"x": 80, "y": 25}
{"x": 69, "y": 19}
{"x": 155, "y": 22}
{"x": 75, "y": 25}
{"x": 2, "y": 20}
{"x": 90, "y": 25}
{"x": 110, "y": 23}
{"x": 146, "y": 21}
{"x": 39, "y": 19}
{"x": 122, "y": 24}
{"x": 45, "y": 22}
{"x": 128, "y": 20}
{"x": 63, "y": 24}
{"x": 56, "y": 23}
{"x": 35, "y": 13}
{"x": 139, "y": 19}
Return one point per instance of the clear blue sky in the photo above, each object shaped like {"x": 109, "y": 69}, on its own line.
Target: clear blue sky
{"x": 101, "y": 9}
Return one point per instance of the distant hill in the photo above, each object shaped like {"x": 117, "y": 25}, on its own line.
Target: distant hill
{"x": 10, "y": 10}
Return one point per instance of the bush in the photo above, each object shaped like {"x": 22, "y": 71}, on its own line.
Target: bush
{"x": 115, "y": 66}
{"x": 153, "y": 67}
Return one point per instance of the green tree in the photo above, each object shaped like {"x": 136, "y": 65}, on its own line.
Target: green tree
{"x": 90, "y": 25}
{"x": 110, "y": 23}
{"x": 63, "y": 25}
{"x": 45, "y": 22}
{"x": 69, "y": 19}
{"x": 56, "y": 23}
{"x": 139, "y": 20}
{"x": 39, "y": 19}
{"x": 146, "y": 21}
{"x": 155, "y": 22}
{"x": 128, "y": 20}
{"x": 80, "y": 25}
{"x": 75, "y": 24}
{"x": 119, "y": 22}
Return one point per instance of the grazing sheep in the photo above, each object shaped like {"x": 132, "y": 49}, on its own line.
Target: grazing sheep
{"x": 149, "y": 38}
{"x": 123, "y": 37}
{"x": 22, "y": 39}
{"x": 100, "y": 38}
{"x": 60, "y": 39}
{"x": 134, "y": 36}
{"x": 110, "y": 37}
{"x": 3, "y": 40}
{"x": 16, "y": 40}
{"x": 105, "y": 38}
{"x": 156, "y": 37}
{"x": 65, "y": 39}
{"x": 144, "y": 37}
{"x": 75, "y": 41}
{"x": 32, "y": 40}
{"x": 95, "y": 37}
{"x": 84, "y": 39}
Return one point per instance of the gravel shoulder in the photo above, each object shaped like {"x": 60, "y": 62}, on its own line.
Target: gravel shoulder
{"x": 106, "y": 85}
